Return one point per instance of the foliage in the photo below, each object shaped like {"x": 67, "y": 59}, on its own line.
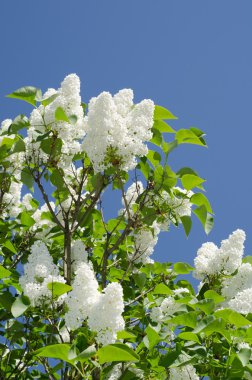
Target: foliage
{"x": 61, "y": 232}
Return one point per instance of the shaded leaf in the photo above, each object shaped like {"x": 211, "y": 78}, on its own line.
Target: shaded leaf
{"x": 19, "y": 306}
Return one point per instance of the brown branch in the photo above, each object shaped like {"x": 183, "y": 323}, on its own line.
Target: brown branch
{"x": 45, "y": 197}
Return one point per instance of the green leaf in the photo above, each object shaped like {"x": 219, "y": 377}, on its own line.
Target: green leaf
{"x": 7, "y": 141}
{"x": 4, "y": 273}
{"x": 8, "y": 244}
{"x": 215, "y": 296}
{"x": 157, "y": 137}
{"x": 19, "y": 306}
{"x": 165, "y": 177}
{"x": 73, "y": 119}
{"x": 206, "y": 219}
{"x": 182, "y": 268}
{"x": 232, "y": 317}
{"x": 51, "y": 145}
{"x": 28, "y": 94}
{"x": 244, "y": 356}
{"x": 85, "y": 355}
{"x": 186, "y": 170}
{"x": 203, "y": 323}
{"x": 169, "y": 147}
{"x": 140, "y": 279}
{"x": 126, "y": 335}
{"x": 20, "y": 122}
{"x": 189, "y": 336}
{"x": 163, "y": 127}
{"x": 247, "y": 259}
{"x": 58, "y": 288}
{"x": 162, "y": 289}
{"x": 189, "y": 181}
{"x": 144, "y": 167}
{"x": 19, "y": 146}
{"x": 206, "y": 305}
{"x": 217, "y": 326}
{"x": 27, "y": 178}
{"x": 55, "y": 351}
{"x": 56, "y": 178}
{"x": 188, "y": 319}
{"x": 154, "y": 157}
{"x": 117, "y": 352}
{"x": 187, "y": 223}
{"x": 200, "y": 199}
{"x": 60, "y": 115}
{"x": 43, "y": 136}
{"x": 188, "y": 136}
{"x": 6, "y": 300}
{"x": 26, "y": 219}
{"x": 153, "y": 337}
{"x": 45, "y": 102}
{"x": 162, "y": 113}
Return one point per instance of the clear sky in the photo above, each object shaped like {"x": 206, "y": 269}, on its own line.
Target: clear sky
{"x": 192, "y": 56}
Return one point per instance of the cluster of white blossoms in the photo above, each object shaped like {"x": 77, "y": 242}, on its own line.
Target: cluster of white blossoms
{"x": 211, "y": 260}
{"x": 173, "y": 206}
{"x": 242, "y": 302}
{"x": 186, "y": 372}
{"x": 103, "y": 311}
{"x": 226, "y": 264}
{"x": 145, "y": 240}
{"x": 38, "y": 273}
{"x": 11, "y": 197}
{"x": 130, "y": 198}
{"x": 119, "y": 369}
{"x": 117, "y": 130}
{"x": 69, "y": 127}
{"x": 240, "y": 281}
{"x": 167, "y": 308}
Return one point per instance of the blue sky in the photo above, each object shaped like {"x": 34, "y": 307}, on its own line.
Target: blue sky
{"x": 193, "y": 57}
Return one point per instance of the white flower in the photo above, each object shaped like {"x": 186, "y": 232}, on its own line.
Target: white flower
{"x": 131, "y": 196}
{"x": 186, "y": 372}
{"x": 106, "y": 315}
{"x": 103, "y": 311}
{"x": 79, "y": 254}
{"x": 42, "y": 119}
{"x": 83, "y": 296}
{"x": 213, "y": 261}
{"x": 38, "y": 273}
{"x": 242, "y": 302}
{"x": 5, "y": 125}
{"x": 145, "y": 241}
{"x": 180, "y": 291}
{"x": 64, "y": 335}
{"x": 167, "y": 308}
{"x": 11, "y": 199}
{"x": 241, "y": 281}
{"x": 117, "y": 130}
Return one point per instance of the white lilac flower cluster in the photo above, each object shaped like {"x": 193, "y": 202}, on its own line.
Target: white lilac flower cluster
{"x": 186, "y": 372}
{"x": 167, "y": 308}
{"x": 175, "y": 205}
{"x": 117, "y": 130}
{"x": 70, "y": 131}
{"x": 145, "y": 241}
{"x": 103, "y": 311}
{"x": 38, "y": 273}
{"x": 11, "y": 198}
{"x": 226, "y": 264}
{"x": 211, "y": 260}
{"x": 118, "y": 370}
